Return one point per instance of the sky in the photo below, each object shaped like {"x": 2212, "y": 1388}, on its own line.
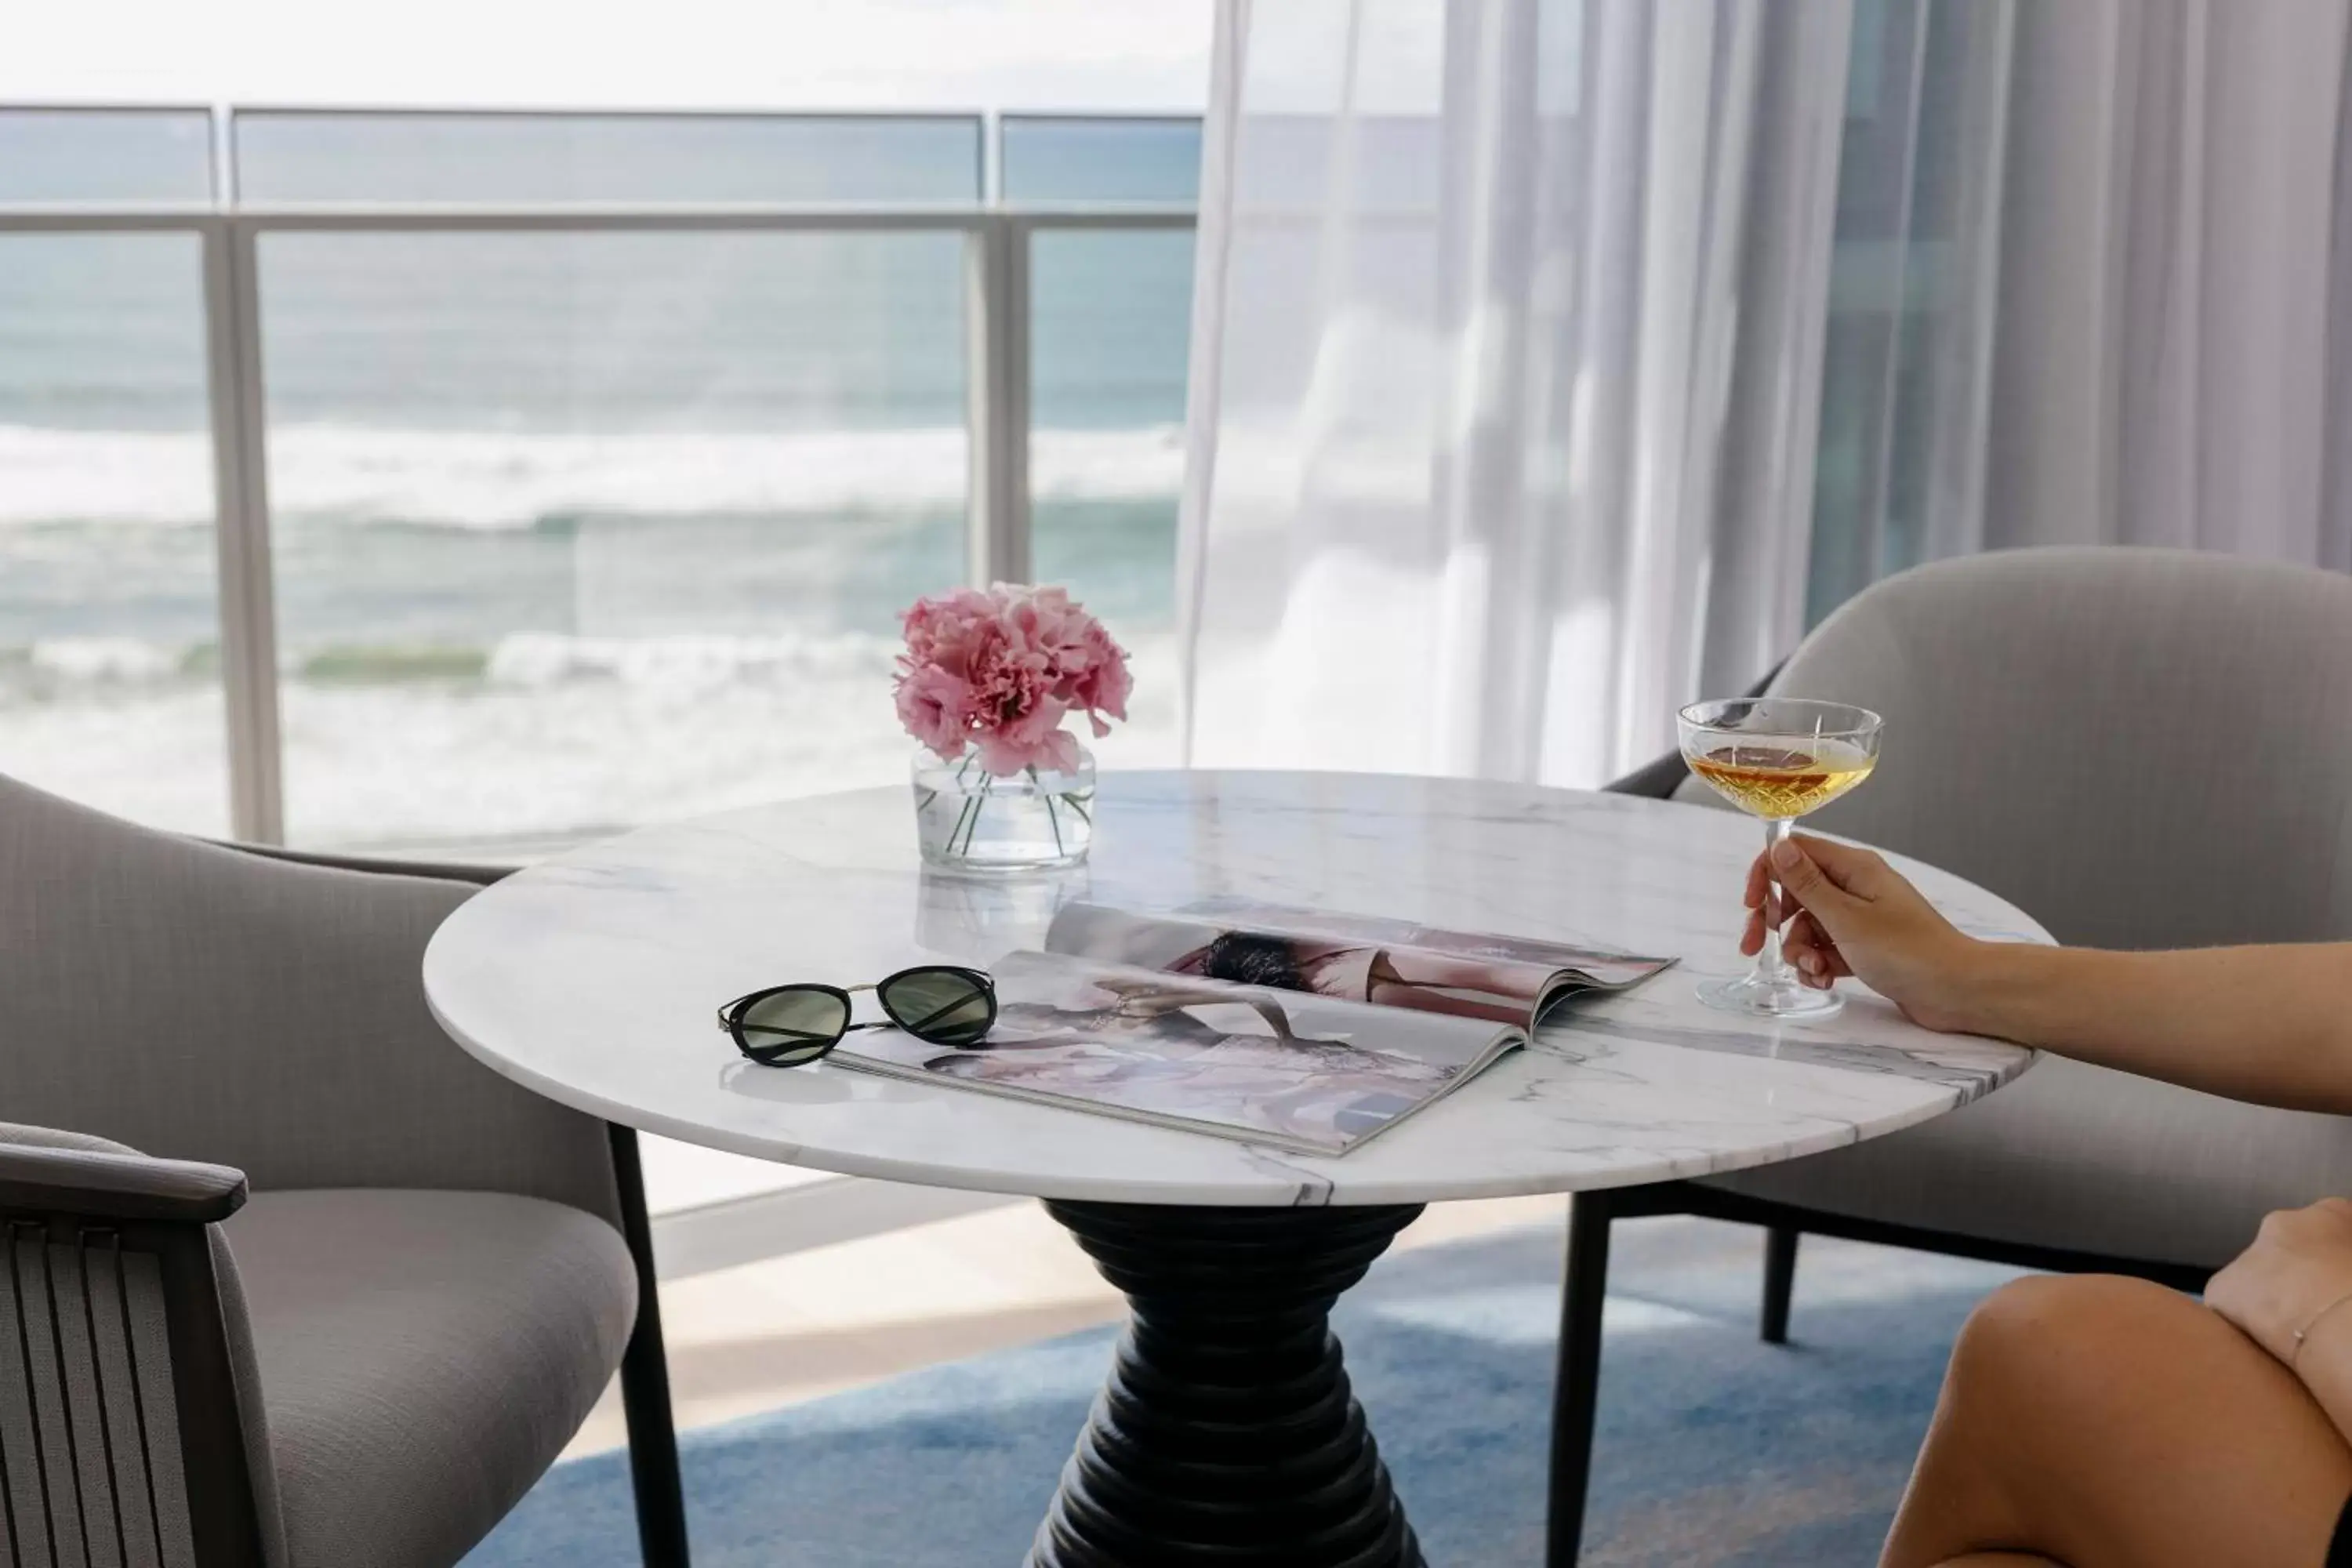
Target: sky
{"x": 1126, "y": 55}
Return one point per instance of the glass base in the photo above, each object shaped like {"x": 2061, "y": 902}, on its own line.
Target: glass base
{"x": 1760, "y": 998}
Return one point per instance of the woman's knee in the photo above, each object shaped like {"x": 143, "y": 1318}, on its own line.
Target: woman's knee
{"x": 2071, "y": 1304}
{"x": 2043, "y": 1338}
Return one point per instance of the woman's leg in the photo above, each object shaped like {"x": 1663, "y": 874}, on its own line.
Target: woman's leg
{"x": 2106, "y": 1423}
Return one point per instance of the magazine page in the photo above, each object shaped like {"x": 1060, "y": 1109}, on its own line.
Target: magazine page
{"x": 1305, "y": 1073}
{"x": 1609, "y": 969}
{"x": 1358, "y": 957}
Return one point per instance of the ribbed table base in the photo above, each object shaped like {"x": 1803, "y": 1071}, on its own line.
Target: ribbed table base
{"x": 1227, "y": 1433}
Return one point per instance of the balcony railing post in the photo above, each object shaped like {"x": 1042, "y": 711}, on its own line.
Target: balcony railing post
{"x": 996, "y": 377}
{"x": 248, "y": 631}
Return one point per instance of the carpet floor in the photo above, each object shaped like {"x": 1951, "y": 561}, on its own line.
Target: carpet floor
{"x": 1713, "y": 1449}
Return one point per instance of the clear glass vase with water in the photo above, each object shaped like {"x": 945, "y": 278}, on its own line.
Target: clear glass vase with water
{"x": 969, "y": 819}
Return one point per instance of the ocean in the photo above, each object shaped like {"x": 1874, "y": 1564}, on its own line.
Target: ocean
{"x": 569, "y": 531}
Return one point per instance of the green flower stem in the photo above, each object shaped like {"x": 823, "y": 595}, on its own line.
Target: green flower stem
{"x": 1052, "y": 817}
{"x": 972, "y": 806}
{"x": 963, "y": 835}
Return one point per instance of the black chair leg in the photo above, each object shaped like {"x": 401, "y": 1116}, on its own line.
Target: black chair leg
{"x": 1779, "y": 1282}
{"x": 645, "y": 1381}
{"x": 1577, "y": 1386}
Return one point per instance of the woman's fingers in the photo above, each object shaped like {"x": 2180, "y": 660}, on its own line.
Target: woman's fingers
{"x": 1808, "y": 947}
{"x": 1804, "y": 943}
{"x": 1751, "y": 935}
{"x": 1800, "y": 943}
{"x": 1848, "y": 867}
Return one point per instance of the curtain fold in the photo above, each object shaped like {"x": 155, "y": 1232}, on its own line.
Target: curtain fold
{"x": 2176, "y": 297}
{"x": 1914, "y": 292}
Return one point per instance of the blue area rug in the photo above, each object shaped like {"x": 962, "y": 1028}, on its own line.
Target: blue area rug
{"x": 1713, "y": 1448}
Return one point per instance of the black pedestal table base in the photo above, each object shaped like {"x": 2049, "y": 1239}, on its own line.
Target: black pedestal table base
{"x": 1227, "y": 1433}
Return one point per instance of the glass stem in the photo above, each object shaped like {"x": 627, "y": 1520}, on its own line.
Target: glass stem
{"x": 1770, "y": 970}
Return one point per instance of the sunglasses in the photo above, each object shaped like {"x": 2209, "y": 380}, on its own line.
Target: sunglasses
{"x": 787, "y": 1026}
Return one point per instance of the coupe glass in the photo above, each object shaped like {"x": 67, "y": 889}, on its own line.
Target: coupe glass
{"x": 1777, "y": 758}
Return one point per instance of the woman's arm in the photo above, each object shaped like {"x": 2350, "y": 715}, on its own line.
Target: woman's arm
{"x": 2272, "y": 1024}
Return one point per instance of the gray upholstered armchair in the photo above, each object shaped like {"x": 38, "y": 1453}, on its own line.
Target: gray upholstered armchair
{"x": 366, "y": 1360}
{"x": 2141, "y": 748}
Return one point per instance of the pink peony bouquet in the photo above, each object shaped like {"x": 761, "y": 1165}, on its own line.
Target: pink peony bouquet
{"x": 1000, "y": 670}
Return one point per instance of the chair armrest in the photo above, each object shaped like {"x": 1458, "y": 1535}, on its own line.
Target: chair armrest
{"x": 88, "y": 1185}
{"x": 1658, "y": 778}
{"x": 475, "y": 874}
{"x": 123, "y": 1238}
{"x": 1655, "y": 780}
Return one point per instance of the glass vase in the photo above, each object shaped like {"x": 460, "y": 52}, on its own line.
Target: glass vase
{"x": 969, "y": 819}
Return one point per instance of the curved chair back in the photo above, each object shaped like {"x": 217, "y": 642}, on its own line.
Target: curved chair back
{"x": 2141, "y": 748}
{"x": 197, "y": 1002}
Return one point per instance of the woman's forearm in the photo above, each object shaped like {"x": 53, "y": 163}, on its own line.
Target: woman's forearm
{"x": 2272, "y": 1024}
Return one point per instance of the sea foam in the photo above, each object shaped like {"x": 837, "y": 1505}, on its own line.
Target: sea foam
{"x": 515, "y": 479}
{"x": 542, "y": 746}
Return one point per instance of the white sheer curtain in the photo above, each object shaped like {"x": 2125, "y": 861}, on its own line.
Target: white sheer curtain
{"x": 1556, "y": 361}
{"x": 2175, "y": 329}
{"x": 2137, "y": 327}
{"x": 1504, "y": 375}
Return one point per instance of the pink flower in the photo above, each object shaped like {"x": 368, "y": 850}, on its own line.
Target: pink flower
{"x": 1034, "y": 740}
{"x": 942, "y": 631}
{"x": 936, "y": 708}
{"x": 1002, "y": 669}
{"x": 1102, "y": 685}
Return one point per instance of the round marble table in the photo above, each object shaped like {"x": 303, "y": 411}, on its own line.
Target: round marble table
{"x": 1227, "y": 1432}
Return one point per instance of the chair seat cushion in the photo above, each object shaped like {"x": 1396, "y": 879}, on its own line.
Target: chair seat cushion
{"x": 2078, "y": 1157}
{"x": 423, "y": 1356}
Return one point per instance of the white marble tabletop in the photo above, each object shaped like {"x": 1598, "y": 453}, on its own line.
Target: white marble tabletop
{"x": 593, "y": 979}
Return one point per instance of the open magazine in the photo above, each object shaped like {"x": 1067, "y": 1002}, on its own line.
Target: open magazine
{"x": 1301, "y": 1030}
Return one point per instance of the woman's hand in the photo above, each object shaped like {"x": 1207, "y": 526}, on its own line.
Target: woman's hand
{"x": 1856, "y": 915}
{"x": 2299, "y": 1266}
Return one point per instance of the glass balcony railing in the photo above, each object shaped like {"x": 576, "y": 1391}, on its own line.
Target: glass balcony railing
{"x": 110, "y": 612}
{"x": 477, "y": 481}
{"x": 339, "y": 158}
{"x": 89, "y": 157}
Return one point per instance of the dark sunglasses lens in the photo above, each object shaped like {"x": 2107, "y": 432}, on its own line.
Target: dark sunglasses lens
{"x": 947, "y": 1007}
{"x": 786, "y": 1028}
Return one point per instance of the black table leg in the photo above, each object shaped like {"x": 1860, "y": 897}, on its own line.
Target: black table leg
{"x": 1227, "y": 1433}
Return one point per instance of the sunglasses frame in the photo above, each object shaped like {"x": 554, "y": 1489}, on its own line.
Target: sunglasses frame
{"x": 730, "y": 1016}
